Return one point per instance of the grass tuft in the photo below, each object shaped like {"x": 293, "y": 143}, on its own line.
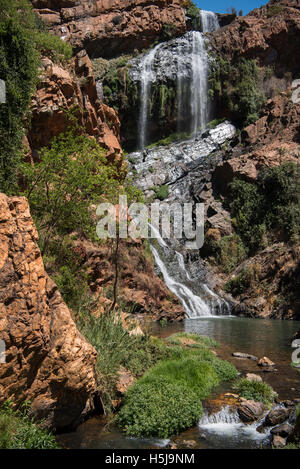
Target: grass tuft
{"x": 255, "y": 390}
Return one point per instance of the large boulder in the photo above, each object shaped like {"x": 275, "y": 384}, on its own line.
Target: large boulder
{"x": 249, "y": 411}
{"x": 276, "y": 417}
{"x": 48, "y": 362}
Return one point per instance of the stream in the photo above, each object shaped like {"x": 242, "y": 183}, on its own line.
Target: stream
{"x": 222, "y": 430}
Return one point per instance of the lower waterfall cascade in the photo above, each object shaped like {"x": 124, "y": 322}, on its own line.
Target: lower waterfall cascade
{"x": 204, "y": 304}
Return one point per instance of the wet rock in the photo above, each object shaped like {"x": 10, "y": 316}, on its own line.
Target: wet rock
{"x": 283, "y": 430}
{"x": 245, "y": 356}
{"x": 276, "y": 417}
{"x": 253, "y": 377}
{"x": 249, "y": 411}
{"x": 181, "y": 444}
{"x": 278, "y": 441}
{"x": 265, "y": 361}
{"x": 155, "y": 166}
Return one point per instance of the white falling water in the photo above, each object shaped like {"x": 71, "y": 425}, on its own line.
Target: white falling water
{"x": 146, "y": 79}
{"x": 194, "y": 305}
{"x": 225, "y": 416}
{"x": 227, "y": 424}
{"x": 209, "y": 21}
{"x": 199, "y": 84}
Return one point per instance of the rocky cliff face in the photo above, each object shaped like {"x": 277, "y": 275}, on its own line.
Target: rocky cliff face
{"x": 270, "y": 34}
{"x": 71, "y": 89}
{"x": 48, "y": 362}
{"x": 108, "y": 27}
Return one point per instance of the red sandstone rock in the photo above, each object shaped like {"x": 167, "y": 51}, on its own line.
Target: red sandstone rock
{"x": 63, "y": 89}
{"x": 268, "y": 34}
{"x": 108, "y": 27}
{"x": 48, "y": 362}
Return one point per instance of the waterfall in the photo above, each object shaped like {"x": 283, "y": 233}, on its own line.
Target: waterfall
{"x": 206, "y": 305}
{"x": 226, "y": 424}
{"x": 225, "y": 416}
{"x": 209, "y": 21}
{"x": 199, "y": 84}
{"x": 146, "y": 78}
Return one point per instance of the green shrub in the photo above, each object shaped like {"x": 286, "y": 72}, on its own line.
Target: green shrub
{"x": 167, "y": 398}
{"x": 235, "y": 88}
{"x": 193, "y": 12}
{"x": 255, "y": 390}
{"x": 169, "y": 31}
{"x": 18, "y": 431}
{"x": 19, "y": 70}
{"x": 269, "y": 204}
{"x": 53, "y": 46}
{"x": 191, "y": 340}
{"x": 274, "y": 10}
{"x": 225, "y": 370}
{"x": 116, "y": 348}
{"x": 161, "y": 192}
{"x": 231, "y": 252}
{"x": 198, "y": 376}
{"x": 240, "y": 283}
{"x": 159, "y": 409}
{"x": 23, "y": 39}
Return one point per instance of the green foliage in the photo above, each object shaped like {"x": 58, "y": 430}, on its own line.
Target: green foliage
{"x": 192, "y": 340}
{"x": 175, "y": 137}
{"x": 228, "y": 252}
{"x": 274, "y": 10}
{"x": 240, "y": 283}
{"x": 169, "y": 31}
{"x": 255, "y": 390}
{"x": 23, "y": 39}
{"x": 18, "y": 68}
{"x": 18, "y": 430}
{"x": 70, "y": 175}
{"x": 192, "y": 11}
{"x": 167, "y": 398}
{"x": 161, "y": 192}
{"x": 159, "y": 409}
{"x": 116, "y": 348}
{"x": 235, "y": 88}
{"x": 52, "y": 46}
{"x": 270, "y": 204}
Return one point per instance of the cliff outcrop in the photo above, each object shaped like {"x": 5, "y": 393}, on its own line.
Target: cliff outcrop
{"x": 107, "y": 27}
{"x": 48, "y": 362}
{"x": 66, "y": 91}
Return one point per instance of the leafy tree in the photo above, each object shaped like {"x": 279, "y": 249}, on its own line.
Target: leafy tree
{"x": 18, "y": 68}
{"x": 23, "y": 38}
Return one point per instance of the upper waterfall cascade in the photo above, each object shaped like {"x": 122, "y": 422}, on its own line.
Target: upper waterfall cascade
{"x": 146, "y": 78}
{"x": 184, "y": 61}
{"x": 209, "y": 21}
